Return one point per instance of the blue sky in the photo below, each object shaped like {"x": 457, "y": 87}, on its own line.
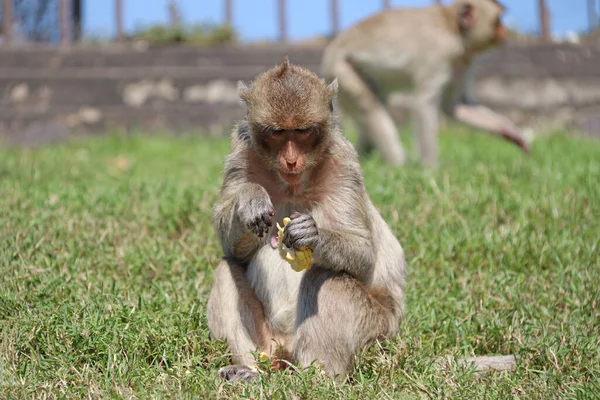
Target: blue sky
{"x": 257, "y": 19}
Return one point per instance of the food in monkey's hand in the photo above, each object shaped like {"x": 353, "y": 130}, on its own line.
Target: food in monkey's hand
{"x": 299, "y": 259}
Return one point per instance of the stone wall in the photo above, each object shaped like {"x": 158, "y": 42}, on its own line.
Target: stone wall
{"x": 50, "y": 93}
{"x": 549, "y": 86}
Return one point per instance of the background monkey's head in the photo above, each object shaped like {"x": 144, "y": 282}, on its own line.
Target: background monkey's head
{"x": 480, "y": 23}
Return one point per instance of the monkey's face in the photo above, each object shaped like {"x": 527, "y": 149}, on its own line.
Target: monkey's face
{"x": 289, "y": 129}
{"x": 290, "y": 134}
{"x": 290, "y": 152}
{"x": 481, "y": 24}
{"x": 500, "y": 33}
{"x": 289, "y": 112}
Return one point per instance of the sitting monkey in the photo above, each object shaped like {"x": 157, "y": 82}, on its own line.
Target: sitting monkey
{"x": 290, "y": 158}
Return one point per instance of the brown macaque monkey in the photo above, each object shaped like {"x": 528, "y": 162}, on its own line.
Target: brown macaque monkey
{"x": 290, "y": 158}
{"x": 427, "y": 54}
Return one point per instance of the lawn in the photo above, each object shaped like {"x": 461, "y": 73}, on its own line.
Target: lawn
{"x": 107, "y": 250}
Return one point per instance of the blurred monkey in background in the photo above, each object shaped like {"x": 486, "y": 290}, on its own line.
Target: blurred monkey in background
{"x": 427, "y": 54}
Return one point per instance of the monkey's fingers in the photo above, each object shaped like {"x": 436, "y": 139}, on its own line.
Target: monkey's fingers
{"x": 302, "y": 221}
{"x": 292, "y": 237}
{"x": 287, "y": 239}
{"x": 260, "y": 226}
{"x": 267, "y": 220}
{"x": 299, "y": 242}
{"x": 516, "y": 139}
{"x": 482, "y": 117}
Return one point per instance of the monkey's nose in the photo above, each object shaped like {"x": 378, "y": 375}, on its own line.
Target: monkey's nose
{"x": 291, "y": 165}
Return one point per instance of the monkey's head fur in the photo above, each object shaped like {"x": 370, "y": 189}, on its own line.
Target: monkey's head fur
{"x": 290, "y": 115}
{"x": 480, "y": 23}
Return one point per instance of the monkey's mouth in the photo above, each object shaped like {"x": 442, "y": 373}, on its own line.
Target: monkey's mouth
{"x": 274, "y": 238}
{"x": 291, "y": 177}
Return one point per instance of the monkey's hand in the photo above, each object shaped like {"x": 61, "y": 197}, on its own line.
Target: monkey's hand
{"x": 517, "y": 138}
{"x": 301, "y": 232}
{"x": 256, "y": 213}
{"x": 299, "y": 259}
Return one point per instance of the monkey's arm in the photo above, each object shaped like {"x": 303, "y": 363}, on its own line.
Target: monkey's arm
{"x": 241, "y": 219}
{"x": 459, "y": 104}
{"x": 350, "y": 250}
{"x": 242, "y": 214}
{"x": 340, "y": 240}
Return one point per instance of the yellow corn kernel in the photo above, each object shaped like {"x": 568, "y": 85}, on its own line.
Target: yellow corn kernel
{"x": 298, "y": 259}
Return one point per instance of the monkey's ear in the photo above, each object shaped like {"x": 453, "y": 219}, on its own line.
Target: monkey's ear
{"x": 243, "y": 91}
{"x": 332, "y": 88}
{"x": 466, "y": 17}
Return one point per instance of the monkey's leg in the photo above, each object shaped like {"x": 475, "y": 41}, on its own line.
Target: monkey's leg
{"x": 235, "y": 313}
{"x": 426, "y": 116}
{"x": 336, "y": 318}
{"x": 370, "y": 114}
{"x": 364, "y": 144}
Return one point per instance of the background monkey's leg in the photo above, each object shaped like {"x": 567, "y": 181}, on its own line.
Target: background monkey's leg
{"x": 370, "y": 114}
{"x": 336, "y": 318}
{"x": 235, "y": 313}
{"x": 364, "y": 145}
{"x": 426, "y": 120}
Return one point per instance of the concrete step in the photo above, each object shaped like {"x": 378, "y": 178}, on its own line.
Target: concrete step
{"x": 155, "y": 56}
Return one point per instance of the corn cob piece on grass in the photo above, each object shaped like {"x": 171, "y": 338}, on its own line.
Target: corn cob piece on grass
{"x": 299, "y": 260}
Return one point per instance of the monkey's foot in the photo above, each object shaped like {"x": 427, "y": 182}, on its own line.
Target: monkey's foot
{"x": 234, "y": 373}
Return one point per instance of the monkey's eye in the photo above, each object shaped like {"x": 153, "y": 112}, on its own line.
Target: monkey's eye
{"x": 498, "y": 22}
{"x": 274, "y": 131}
{"x": 304, "y": 131}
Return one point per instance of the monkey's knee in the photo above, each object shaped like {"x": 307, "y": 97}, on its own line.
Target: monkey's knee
{"x": 336, "y": 318}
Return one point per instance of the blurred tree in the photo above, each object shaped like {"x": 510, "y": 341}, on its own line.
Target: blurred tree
{"x": 64, "y": 10}
{"x": 7, "y": 21}
{"x": 174, "y": 17}
{"x": 544, "y": 21}
{"x": 119, "y": 19}
{"x": 281, "y": 12}
{"x": 229, "y": 12}
{"x": 77, "y": 10}
{"x": 593, "y": 17}
{"x": 30, "y": 20}
{"x": 335, "y": 16}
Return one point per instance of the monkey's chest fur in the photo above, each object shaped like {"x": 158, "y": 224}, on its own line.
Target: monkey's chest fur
{"x": 275, "y": 283}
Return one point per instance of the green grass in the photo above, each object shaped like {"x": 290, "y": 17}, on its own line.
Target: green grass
{"x": 107, "y": 251}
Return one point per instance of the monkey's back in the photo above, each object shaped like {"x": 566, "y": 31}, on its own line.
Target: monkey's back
{"x": 405, "y": 35}
{"x": 389, "y": 269}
